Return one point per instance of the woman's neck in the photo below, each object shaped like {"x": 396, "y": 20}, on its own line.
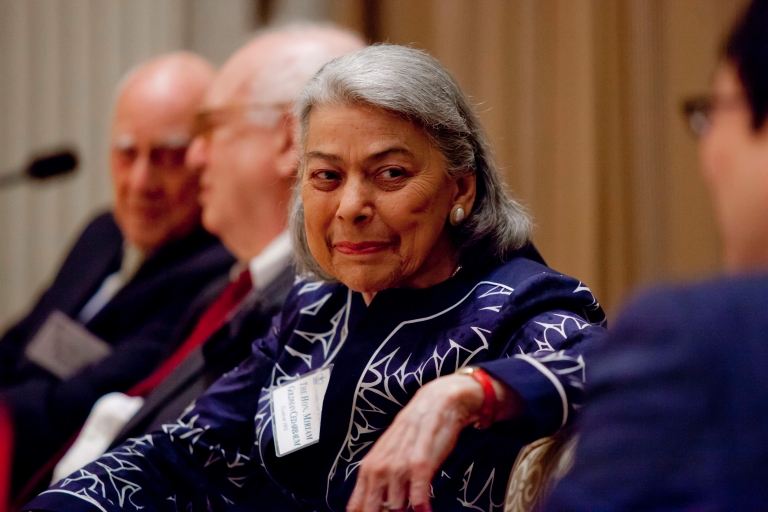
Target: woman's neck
{"x": 445, "y": 274}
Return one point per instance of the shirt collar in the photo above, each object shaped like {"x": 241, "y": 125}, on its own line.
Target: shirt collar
{"x": 132, "y": 260}
{"x": 271, "y": 261}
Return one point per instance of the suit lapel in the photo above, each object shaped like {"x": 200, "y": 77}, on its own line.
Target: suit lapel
{"x": 153, "y": 271}
{"x": 103, "y": 264}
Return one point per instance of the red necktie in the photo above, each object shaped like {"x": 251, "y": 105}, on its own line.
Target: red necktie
{"x": 6, "y": 445}
{"x": 210, "y": 322}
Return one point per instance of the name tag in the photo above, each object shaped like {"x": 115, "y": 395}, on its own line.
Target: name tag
{"x": 64, "y": 347}
{"x": 296, "y": 410}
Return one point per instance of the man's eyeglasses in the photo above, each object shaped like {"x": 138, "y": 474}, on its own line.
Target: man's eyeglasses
{"x": 163, "y": 156}
{"x": 698, "y": 110}
{"x": 262, "y": 114}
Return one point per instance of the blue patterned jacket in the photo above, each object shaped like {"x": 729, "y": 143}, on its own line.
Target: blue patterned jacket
{"x": 535, "y": 323}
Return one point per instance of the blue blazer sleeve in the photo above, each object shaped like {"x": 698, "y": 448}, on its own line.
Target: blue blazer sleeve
{"x": 545, "y": 359}
{"x": 139, "y": 323}
{"x": 95, "y": 254}
{"x": 675, "y": 416}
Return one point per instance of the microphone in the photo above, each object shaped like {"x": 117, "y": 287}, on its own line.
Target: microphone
{"x": 42, "y": 167}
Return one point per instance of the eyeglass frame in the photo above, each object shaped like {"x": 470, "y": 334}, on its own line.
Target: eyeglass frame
{"x": 697, "y": 110}
{"x": 168, "y": 154}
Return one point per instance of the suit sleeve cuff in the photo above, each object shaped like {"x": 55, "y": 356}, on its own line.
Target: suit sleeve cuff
{"x": 545, "y": 402}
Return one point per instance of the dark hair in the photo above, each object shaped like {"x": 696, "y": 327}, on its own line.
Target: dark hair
{"x": 746, "y": 48}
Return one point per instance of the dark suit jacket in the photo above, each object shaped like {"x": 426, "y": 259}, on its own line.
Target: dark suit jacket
{"x": 677, "y": 413}
{"x": 138, "y": 323}
{"x": 224, "y": 350}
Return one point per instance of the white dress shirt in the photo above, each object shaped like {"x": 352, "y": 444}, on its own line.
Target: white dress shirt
{"x": 271, "y": 261}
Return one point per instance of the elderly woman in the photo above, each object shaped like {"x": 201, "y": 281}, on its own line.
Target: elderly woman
{"x": 417, "y": 264}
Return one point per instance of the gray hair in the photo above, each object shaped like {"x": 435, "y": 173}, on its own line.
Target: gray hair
{"x": 412, "y": 85}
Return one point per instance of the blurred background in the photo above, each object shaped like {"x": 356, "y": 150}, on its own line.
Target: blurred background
{"x": 581, "y": 99}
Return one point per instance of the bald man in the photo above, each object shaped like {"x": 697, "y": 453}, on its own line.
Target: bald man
{"x": 107, "y": 318}
{"x": 245, "y": 150}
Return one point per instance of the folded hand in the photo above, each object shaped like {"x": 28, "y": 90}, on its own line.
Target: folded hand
{"x": 399, "y": 468}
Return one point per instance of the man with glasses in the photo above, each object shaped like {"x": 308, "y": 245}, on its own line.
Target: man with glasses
{"x": 676, "y": 415}
{"x": 106, "y": 320}
{"x": 244, "y": 149}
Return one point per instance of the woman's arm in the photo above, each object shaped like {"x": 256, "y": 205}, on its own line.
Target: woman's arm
{"x": 546, "y": 379}
{"x": 401, "y": 464}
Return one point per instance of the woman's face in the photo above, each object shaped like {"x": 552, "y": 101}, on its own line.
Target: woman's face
{"x": 735, "y": 161}
{"x": 376, "y": 200}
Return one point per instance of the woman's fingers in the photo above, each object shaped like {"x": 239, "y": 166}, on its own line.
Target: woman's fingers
{"x": 390, "y": 459}
{"x": 437, "y": 437}
{"x": 355, "y": 503}
{"x": 396, "y": 477}
{"x": 382, "y": 473}
{"x": 400, "y": 466}
{"x": 374, "y": 496}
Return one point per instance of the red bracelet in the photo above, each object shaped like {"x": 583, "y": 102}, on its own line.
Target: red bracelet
{"x": 490, "y": 400}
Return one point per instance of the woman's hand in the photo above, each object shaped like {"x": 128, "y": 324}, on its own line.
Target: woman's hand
{"x": 401, "y": 464}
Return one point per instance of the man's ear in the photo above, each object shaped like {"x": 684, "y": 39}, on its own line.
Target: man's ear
{"x": 287, "y": 162}
{"x": 466, "y": 189}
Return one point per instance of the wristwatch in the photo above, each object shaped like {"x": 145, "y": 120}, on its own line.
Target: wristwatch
{"x": 490, "y": 400}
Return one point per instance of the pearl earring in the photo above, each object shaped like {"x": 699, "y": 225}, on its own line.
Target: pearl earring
{"x": 457, "y": 215}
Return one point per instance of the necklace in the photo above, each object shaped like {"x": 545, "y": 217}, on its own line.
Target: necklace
{"x": 456, "y": 271}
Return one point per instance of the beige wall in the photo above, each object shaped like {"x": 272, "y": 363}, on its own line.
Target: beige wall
{"x": 59, "y": 62}
{"x": 581, "y": 98}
